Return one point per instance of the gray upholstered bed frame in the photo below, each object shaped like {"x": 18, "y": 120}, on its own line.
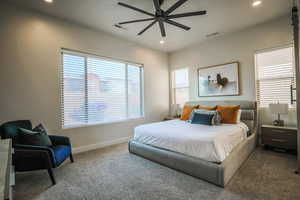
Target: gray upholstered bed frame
{"x": 219, "y": 174}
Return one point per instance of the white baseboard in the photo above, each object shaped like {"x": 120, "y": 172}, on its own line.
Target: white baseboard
{"x": 100, "y": 145}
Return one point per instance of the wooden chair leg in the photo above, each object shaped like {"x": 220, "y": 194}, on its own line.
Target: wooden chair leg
{"x": 71, "y": 157}
{"x": 50, "y": 172}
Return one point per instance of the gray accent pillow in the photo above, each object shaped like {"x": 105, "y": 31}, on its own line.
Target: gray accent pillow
{"x": 40, "y": 128}
{"x": 29, "y": 137}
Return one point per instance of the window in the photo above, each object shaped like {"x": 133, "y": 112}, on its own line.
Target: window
{"x": 180, "y": 86}
{"x": 99, "y": 90}
{"x": 274, "y": 76}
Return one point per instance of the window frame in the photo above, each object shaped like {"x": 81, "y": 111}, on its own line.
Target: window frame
{"x": 173, "y": 83}
{"x": 290, "y": 45}
{"x": 92, "y": 55}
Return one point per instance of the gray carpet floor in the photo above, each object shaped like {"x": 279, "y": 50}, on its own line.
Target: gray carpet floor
{"x": 114, "y": 174}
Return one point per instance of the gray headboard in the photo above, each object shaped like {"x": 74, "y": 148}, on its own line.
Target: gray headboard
{"x": 248, "y": 115}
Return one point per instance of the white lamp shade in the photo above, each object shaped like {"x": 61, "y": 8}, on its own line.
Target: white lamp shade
{"x": 279, "y": 108}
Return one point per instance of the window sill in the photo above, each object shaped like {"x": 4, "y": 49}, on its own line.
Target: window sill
{"x": 102, "y": 123}
{"x": 267, "y": 108}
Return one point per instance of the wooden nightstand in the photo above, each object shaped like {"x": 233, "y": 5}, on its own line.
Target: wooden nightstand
{"x": 281, "y": 137}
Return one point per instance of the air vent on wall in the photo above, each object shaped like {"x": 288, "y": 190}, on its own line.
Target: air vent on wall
{"x": 212, "y": 34}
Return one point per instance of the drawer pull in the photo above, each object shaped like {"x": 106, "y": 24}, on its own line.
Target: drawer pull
{"x": 278, "y": 140}
{"x": 278, "y": 131}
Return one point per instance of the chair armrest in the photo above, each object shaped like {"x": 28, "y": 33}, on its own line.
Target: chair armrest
{"x": 31, "y": 150}
{"x": 29, "y": 159}
{"x": 60, "y": 140}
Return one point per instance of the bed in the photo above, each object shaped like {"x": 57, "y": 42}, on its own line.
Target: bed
{"x": 213, "y": 154}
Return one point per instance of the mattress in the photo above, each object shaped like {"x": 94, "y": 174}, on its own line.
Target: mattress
{"x": 210, "y": 143}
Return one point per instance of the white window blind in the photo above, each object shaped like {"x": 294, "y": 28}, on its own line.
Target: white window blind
{"x": 73, "y": 85}
{"x": 274, "y": 76}
{"x": 99, "y": 90}
{"x": 180, "y": 86}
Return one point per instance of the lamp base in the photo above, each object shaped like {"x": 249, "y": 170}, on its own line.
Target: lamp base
{"x": 278, "y": 122}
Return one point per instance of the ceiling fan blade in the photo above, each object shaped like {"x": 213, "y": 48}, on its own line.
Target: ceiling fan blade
{"x": 139, "y": 20}
{"x": 162, "y": 28}
{"x": 177, "y": 24}
{"x": 175, "y": 6}
{"x": 157, "y": 5}
{"x": 187, "y": 14}
{"x": 147, "y": 27}
{"x": 136, "y": 9}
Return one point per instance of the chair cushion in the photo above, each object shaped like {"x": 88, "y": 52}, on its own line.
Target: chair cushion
{"x": 61, "y": 152}
{"x": 29, "y": 137}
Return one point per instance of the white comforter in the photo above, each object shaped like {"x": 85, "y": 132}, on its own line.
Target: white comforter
{"x": 211, "y": 143}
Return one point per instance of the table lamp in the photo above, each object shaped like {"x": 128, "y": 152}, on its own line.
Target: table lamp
{"x": 278, "y": 108}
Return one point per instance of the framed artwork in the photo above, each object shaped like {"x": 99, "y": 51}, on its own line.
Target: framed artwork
{"x": 219, "y": 80}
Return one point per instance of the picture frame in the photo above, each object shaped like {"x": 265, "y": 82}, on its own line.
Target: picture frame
{"x": 219, "y": 80}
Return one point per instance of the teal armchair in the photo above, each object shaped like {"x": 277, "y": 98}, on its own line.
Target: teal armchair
{"x": 29, "y": 157}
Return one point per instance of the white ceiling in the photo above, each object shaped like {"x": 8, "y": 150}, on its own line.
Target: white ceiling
{"x": 223, "y": 16}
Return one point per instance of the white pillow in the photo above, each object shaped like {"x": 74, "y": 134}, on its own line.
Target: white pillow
{"x": 238, "y": 118}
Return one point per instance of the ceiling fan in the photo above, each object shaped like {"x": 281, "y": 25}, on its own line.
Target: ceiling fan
{"x": 162, "y": 16}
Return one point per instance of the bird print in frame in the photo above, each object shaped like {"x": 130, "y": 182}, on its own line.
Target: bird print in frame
{"x": 219, "y": 80}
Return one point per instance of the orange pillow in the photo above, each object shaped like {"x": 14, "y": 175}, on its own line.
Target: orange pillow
{"x": 207, "y": 107}
{"x": 186, "y": 111}
{"x": 228, "y": 114}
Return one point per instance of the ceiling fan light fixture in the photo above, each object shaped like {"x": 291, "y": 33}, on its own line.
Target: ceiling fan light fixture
{"x": 162, "y": 42}
{"x": 48, "y": 1}
{"x": 256, "y": 3}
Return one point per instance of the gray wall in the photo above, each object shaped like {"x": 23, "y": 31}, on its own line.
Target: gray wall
{"x": 30, "y": 78}
{"x": 239, "y": 46}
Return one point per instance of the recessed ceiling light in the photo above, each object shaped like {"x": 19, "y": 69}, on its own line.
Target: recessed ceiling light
{"x": 161, "y": 42}
{"x": 256, "y": 3}
{"x": 48, "y": 1}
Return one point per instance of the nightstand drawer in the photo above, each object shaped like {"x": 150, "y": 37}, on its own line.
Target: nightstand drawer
{"x": 280, "y": 143}
{"x": 278, "y": 131}
{"x": 281, "y": 138}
